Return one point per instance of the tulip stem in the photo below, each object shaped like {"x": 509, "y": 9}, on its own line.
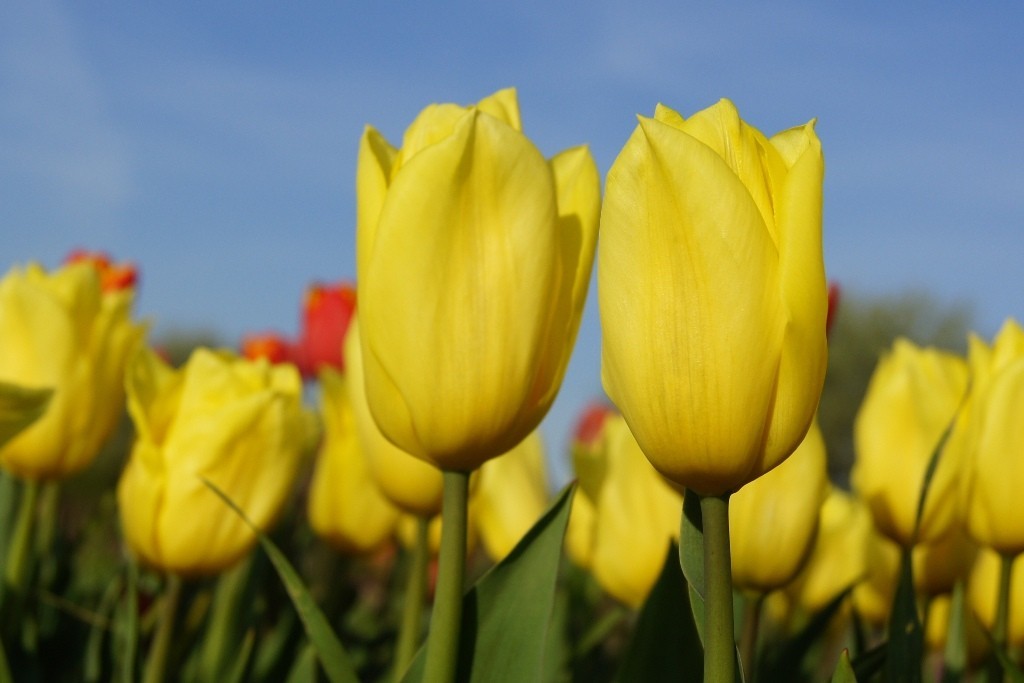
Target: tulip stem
{"x": 446, "y": 620}
{"x": 156, "y": 662}
{"x": 751, "y": 631}
{"x": 999, "y": 628}
{"x": 412, "y": 604}
{"x": 719, "y": 637}
{"x": 18, "y": 553}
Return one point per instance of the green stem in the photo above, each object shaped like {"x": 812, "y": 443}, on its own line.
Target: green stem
{"x": 995, "y": 671}
{"x": 227, "y": 621}
{"x": 719, "y": 639}
{"x": 156, "y": 662}
{"x": 446, "y": 620}
{"x": 751, "y": 630}
{"x": 18, "y": 554}
{"x": 412, "y": 607}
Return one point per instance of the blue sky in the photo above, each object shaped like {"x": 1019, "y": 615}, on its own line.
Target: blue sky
{"x": 215, "y": 144}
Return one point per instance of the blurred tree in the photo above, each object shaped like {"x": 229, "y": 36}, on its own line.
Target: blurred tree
{"x": 865, "y": 326}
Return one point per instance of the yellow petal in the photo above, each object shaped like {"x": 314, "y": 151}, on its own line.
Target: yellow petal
{"x": 504, "y": 106}
{"x": 345, "y": 505}
{"x": 373, "y": 173}
{"x": 686, "y": 272}
{"x": 511, "y": 496}
{"x": 412, "y": 484}
{"x": 464, "y": 258}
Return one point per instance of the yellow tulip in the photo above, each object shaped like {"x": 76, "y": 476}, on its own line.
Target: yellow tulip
{"x": 636, "y": 514}
{"x": 61, "y": 331}
{"x": 238, "y": 424}
{"x": 911, "y": 399}
{"x": 474, "y": 256}
{"x": 511, "y": 495}
{"x": 995, "y": 468}
{"x": 713, "y": 295}
{"x": 20, "y": 407}
{"x": 773, "y": 519}
{"x": 413, "y": 485}
{"x": 345, "y": 505}
{"x": 983, "y": 594}
{"x": 838, "y": 558}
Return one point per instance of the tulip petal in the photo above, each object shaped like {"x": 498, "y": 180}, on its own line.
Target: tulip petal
{"x": 685, "y": 256}
{"x": 464, "y": 257}
{"x": 376, "y": 159}
{"x": 511, "y": 496}
{"x": 803, "y": 292}
{"x": 504, "y": 106}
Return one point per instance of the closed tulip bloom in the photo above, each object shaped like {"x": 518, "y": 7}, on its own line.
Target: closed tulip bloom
{"x": 912, "y": 398}
{"x": 773, "y": 519}
{"x": 995, "y": 468}
{"x": 636, "y": 515}
{"x": 839, "y": 555}
{"x": 511, "y": 495}
{"x": 474, "y": 256}
{"x": 713, "y": 295}
{"x": 411, "y": 484}
{"x": 238, "y": 424}
{"x": 345, "y": 505}
{"x": 983, "y": 593}
{"x": 62, "y": 331}
{"x": 326, "y": 313}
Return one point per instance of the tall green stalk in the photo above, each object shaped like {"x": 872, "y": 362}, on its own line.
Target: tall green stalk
{"x": 446, "y": 620}
{"x": 19, "y": 551}
{"x": 156, "y": 662}
{"x": 999, "y": 629}
{"x": 412, "y": 603}
{"x": 719, "y": 638}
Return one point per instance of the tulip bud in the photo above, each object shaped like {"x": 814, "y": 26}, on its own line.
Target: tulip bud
{"x": 773, "y": 519}
{"x": 911, "y": 400}
{"x": 326, "y": 312}
{"x": 345, "y": 505}
{"x": 635, "y": 516}
{"x": 713, "y": 295}
{"x": 60, "y": 330}
{"x": 270, "y": 345}
{"x": 235, "y": 423}
{"x": 995, "y": 472}
{"x": 474, "y": 256}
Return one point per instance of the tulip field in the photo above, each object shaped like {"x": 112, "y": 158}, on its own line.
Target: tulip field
{"x": 370, "y": 500}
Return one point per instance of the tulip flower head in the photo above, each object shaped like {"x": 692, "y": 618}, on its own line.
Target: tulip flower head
{"x": 62, "y": 330}
{"x": 270, "y": 345}
{"x": 995, "y": 468}
{"x": 238, "y": 424}
{"x": 913, "y": 396}
{"x": 712, "y": 294}
{"x": 473, "y": 256}
{"x": 326, "y": 313}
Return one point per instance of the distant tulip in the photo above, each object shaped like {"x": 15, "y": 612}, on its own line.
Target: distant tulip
{"x": 713, "y": 295}
{"x": 270, "y": 345}
{"x": 635, "y": 515}
{"x": 773, "y": 519}
{"x": 345, "y": 505}
{"x": 912, "y": 398}
{"x": 983, "y": 592}
{"x": 510, "y": 496}
{"x": 238, "y": 424}
{"x": 326, "y": 312}
{"x": 474, "y": 256}
{"x": 114, "y": 277}
{"x": 62, "y": 331}
{"x": 995, "y": 466}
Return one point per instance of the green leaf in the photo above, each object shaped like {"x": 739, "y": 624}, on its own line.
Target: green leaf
{"x": 906, "y": 637}
{"x": 236, "y": 673}
{"x": 665, "y": 645}
{"x": 20, "y": 407}
{"x": 332, "y": 654}
{"x": 506, "y": 616}
{"x": 844, "y": 670}
{"x": 955, "y": 655}
{"x": 691, "y": 557}
{"x": 870, "y": 662}
{"x": 783, "y": 664}
{"x": 1010, "y": 669}
{"x": 304, "y": 669}
{"x": 127, "y": 626}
